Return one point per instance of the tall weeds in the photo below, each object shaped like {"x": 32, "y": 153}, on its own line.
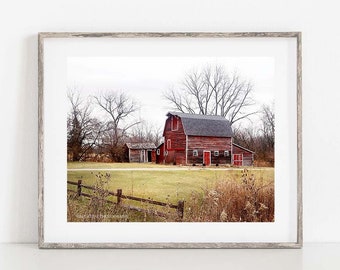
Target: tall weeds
{"x": 96, "y": 208}
{"x": 233, "y": 200}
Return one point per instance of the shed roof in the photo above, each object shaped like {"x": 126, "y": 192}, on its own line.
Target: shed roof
{"x": 204, "y": 125}
{"x": 243, "y": 148}
{"x": 146, "y": 145}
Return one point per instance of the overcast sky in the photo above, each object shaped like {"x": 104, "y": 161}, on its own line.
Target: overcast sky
{"x": 145, "y": 79}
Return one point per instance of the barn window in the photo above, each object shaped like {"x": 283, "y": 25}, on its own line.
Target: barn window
{"x": 168, "y": 144}
{"x": 166, "y": 152}
{"x": 195, "y": 153}
{"x": 174, "y": 123}
{"x": 226, "y": 153}
{"x": 158, "y": 152}
{"x": 216, "y": 153}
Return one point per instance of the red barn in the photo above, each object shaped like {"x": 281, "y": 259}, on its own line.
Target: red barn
{"x": 200, "y": 139}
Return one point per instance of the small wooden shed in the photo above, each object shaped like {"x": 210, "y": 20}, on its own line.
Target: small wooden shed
{"x": 242, "y": 156}
{"x": 141, "y": 152}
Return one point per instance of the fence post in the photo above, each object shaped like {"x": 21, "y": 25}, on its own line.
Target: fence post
{"x": 79, "y": 188}
{"x": 119, "y": 196}
{"x": 180, "y": 209}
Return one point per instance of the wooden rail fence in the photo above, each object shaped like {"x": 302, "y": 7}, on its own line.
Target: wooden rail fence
{"x": 119, "y": 194}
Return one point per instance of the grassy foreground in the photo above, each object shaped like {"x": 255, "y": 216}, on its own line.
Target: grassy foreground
{"x": 167, "y": 184}
{"x": 160, "y": 185}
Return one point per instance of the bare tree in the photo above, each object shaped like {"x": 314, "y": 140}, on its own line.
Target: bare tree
{"x": 247, "y": 137}
{"x": 268, "y": 125}
{"x": 260, "y": 139}
{"x": 212, "y": 91}
{"x": 119, "y": 109}
{"x": 145, "y": 132}
{"x": 83, "y": 131}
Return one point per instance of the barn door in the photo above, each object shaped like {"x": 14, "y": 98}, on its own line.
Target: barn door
{"x": 238, "y": 159}
{"x": 207, "y": 158}
{"x": 149, "y": 156}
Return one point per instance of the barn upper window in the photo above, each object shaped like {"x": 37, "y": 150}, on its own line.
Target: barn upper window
{"x": 168, "y": 144}
{"x": 158, "y": 152}
{"x": 195, "y": 153}
{"x": 226, "y": 153}
{"x": 216, "y": 153}
{"x": 174, "y": 123}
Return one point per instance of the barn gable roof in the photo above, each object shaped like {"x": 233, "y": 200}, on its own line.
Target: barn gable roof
{"x": 137, "y": 146}
{"x": 204, "y": 125}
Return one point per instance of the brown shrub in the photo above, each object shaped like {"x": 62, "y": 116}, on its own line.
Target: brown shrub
{"x": 233, "y": 200}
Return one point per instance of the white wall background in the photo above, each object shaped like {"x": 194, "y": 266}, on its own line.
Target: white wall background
{"x": 20, "y": 21}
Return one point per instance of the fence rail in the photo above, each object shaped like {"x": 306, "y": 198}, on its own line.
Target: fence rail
{"x": 119, "y": 194}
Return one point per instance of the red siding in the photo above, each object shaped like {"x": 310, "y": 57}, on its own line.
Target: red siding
{"x": 153, "y": 156}
{"x": 176, "y": 150}
{"x": 160, "y": 157}
{"x": 211, "y": 144}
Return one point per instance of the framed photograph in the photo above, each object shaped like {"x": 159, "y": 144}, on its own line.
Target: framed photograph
{"x": 170, "y": 140}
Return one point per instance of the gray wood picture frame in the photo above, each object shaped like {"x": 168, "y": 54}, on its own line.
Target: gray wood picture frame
{"x": 294, "y": 35}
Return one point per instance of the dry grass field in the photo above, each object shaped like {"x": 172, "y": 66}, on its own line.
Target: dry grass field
{"x": 210, "y": 194}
